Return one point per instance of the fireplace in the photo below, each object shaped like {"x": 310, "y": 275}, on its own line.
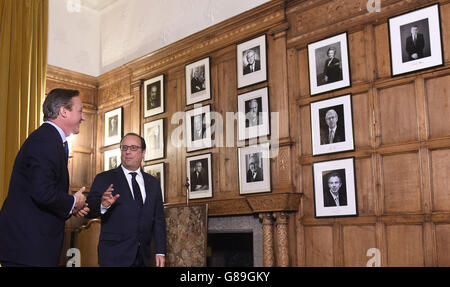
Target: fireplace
{"x": 235, "y": 241}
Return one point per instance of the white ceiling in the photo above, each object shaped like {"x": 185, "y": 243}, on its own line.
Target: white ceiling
{"x": 97, "y": 4}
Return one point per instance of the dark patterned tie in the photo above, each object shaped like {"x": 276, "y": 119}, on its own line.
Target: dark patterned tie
{"x": 136, "y": 190}
{"x": 66, "y": 148}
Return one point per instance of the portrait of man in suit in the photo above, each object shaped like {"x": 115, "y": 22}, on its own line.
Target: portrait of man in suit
{"x": 254, "y": 172}
{"x": 198, "y": 79}
{"x": 198, "y": 127}
{"x": 332, "y": 130}
{"x": 129, "y": 203}
{"x": 199, "y": 175}
{"x": 38, "y": 204}
{"x": 253, "y": 112}
{"x": 251, "y": 60}
{"x": 154, "y": 95}
{"x": 335, "y": 194}
{"x": 415, "y": 40}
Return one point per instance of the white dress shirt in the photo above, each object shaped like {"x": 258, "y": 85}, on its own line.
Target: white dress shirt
{"x": 129, "y": 177}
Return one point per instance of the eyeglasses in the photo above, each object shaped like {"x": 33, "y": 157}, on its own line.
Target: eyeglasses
{"x": 131, "y": 147}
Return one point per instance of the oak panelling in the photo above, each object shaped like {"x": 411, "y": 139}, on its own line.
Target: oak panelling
{"x": 308, "y": 191}
{"x": 443, "y": 244}
{"x": 305, "y": 130}
{"x": 319, "y": 246}
{"x": 405, "y": 245}
{"x": 303, "y": 72}
{"x": 357, "y": 54}
{"x": 357, "y": 239}
{"x": 445, "y": 28}
{"x": 440, "y": 180}
{"x": 398, "y": 114}
{"x": 82, "y": 171}
{"x": 401, "y": 183}
{"x": 362, "y": 120}
{"x": 365, "y": 183}
{"x": 438, "y": 100}
{"x": 383, "y": 64}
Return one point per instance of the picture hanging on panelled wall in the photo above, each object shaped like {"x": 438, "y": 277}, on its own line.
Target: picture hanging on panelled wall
{"x": 251, "y": 62}
{"x": 415, "y": 40}
{"x": 335, "y": 188}
{"x": 329, "y": 67}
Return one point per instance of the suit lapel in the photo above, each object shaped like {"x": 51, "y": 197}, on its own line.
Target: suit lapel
{"x": 147, "y": 186}
{"x": 123, "y": 184}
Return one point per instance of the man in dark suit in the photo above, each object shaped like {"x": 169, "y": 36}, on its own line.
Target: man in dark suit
{"x": 34, "y": 213}
{"x": 252, "y": 63}
{"x": 333, "y": 133}
{"x": 198, "y": 80}
{"x": 129, "y": 202}
{"x": 199, "y": 177}
{"x": 254, "y": 173}
{"x": 415, "y": 44}
{"x": 335, "y": 195}
{"x": 332, "y": 70}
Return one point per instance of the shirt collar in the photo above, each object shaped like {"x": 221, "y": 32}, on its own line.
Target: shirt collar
{"x": 127, "y": 172}
{"x": 60, "y": 131}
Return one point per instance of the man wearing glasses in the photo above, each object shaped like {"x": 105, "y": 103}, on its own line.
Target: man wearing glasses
{"x": 129, "y": 203}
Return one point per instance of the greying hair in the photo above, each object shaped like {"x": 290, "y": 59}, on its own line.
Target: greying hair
{"x": 56, "y": 99}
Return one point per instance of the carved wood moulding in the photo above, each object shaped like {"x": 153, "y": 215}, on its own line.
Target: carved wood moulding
{"x": 341, "y": 15}
{"x": 255, "y": 204}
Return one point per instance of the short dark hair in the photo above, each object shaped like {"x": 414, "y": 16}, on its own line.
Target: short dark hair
{"x": 335, "y": 174}
{"x": 56, "y": 99}
{"x": 143, "y": 145}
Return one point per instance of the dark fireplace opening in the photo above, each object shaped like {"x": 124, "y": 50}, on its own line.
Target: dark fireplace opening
{"x": 230, "y": 250}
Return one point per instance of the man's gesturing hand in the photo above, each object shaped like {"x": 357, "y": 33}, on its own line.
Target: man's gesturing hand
{"x": 108, "y": 199}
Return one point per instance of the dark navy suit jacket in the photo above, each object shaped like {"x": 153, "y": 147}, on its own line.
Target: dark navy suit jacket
{"x": 124, "y": 226}
{"x": 33, "y": 215}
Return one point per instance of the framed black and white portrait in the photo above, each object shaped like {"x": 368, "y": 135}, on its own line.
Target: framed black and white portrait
{"x": 198, "y": 128}
{"x": 154, "y": 96}
{"x": 335, "y": 188}
{"x": 158, "y": 171}
{"x": 415, "y": 40}
{"x": 199, "y": 174}
{"x": 332, "y": 125}
{"x": 113, "y": 126}
{"x": 251, "y": 62}
{"x": 254, "y": 169}
{"x": 198, "y": 83}
{"x": 253, "y": 114}
{"x": 154, "y": 139}
{"x": 112, "y": 159}
{"x": 329, "y": 67}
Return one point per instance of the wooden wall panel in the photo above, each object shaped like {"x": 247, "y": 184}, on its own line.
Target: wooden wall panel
{"x": 383, "y": 59}
{"x": 401, "y": 183}
{"x": 438, "y": 91}
{"x": 405, "y": 245}
{"x": 443, "y": 244}
{"x": 440, "y": 171}
{"x": 357, "y": 240}
{"x": 398, "y": 105}
{"x": 401, "y": 140}
{"x": 82, "y": 171}
{"x": 357, "y": 54}
{"x": 362, "y": 120}
{"x": 365, "y": 186}
{"x": 319, "y": 246}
